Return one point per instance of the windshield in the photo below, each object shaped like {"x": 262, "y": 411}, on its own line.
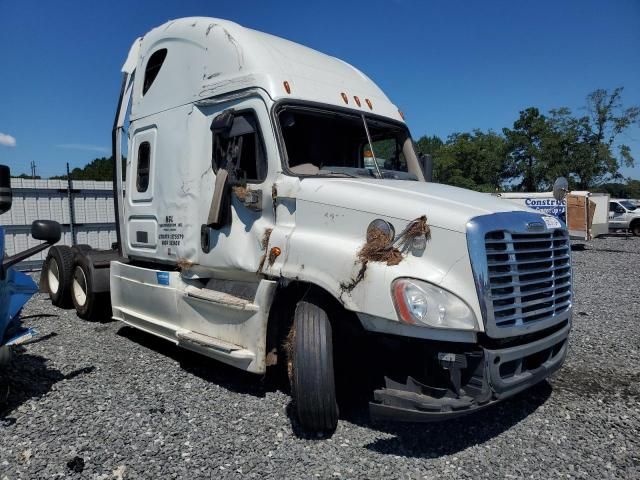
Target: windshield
{"x": 628, "y": 205}
{"x": 327, "y": 143}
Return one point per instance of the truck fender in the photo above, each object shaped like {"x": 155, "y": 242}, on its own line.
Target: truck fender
{"x": 98, "y": 264}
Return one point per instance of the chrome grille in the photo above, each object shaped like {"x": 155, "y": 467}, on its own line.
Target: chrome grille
{"x": 529, "y": 275}
{"x": 522, "y": 272}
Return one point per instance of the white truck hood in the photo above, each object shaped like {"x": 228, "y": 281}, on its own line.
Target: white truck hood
{"x": 445, "y": 206}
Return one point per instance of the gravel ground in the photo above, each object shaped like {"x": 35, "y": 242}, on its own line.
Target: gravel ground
{"x": 101, "y": 400}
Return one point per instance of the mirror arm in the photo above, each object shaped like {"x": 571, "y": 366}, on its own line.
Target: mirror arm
{"x": 18, "y": 257}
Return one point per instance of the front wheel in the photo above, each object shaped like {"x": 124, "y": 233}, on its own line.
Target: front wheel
{"x": 311, "y": 368}
{"x": 635, "y": 228}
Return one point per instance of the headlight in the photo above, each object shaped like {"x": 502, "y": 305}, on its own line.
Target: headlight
{"x": 421, "y": 303}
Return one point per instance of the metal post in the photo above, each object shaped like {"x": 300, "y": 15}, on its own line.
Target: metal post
{"x": 71, "y": 216}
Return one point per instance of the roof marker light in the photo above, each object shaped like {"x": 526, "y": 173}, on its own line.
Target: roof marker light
{"x": 401, "y": 114}
{"x": 344, "y": 97}
{"x": 355, "y": 97}
{"x": 369, "y": 104}
{"x": 286, "y": 86}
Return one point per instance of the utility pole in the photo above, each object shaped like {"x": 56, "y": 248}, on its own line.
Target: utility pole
{"x": 70, "y": 195}
{"x": 33, "y": 170}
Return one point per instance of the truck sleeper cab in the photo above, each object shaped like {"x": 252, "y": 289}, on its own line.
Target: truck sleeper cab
{"x": 272, "y": 211}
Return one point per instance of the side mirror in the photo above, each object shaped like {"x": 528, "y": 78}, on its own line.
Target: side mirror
{"x": 6, "y": 197}
{"x": 426, "y": 163}
{"x": 222, "y": 123}
{"x": 620, "y": 210}
{"x": 560, "y": 188}
{"x": 46, "y": 230}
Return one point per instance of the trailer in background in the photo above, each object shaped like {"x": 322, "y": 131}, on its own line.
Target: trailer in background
{"x": 84, "y": 209}
{"x": 585, "y": 213}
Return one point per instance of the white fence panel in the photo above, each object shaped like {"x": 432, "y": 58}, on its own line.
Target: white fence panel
{"x": 93, "y": 215}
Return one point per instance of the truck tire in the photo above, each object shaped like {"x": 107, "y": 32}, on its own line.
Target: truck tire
{"x": 311, "y": 368}
{"x": 58, "y": 269}
{"x": 635, "y": 228}
{"x": 82, "y": 248}
{"x": 89, "y": 305}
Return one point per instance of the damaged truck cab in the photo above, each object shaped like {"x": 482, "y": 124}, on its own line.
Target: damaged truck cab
{"x": 272, "y": 210}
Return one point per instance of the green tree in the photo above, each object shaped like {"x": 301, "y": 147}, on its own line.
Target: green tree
{"x": 562, "y": 148}
{"x": 429, "y": 145}
{"x": 630, "y": 189}
{"x": 606, "y": 119}
{"x": 98, "y": 169}
{"x": 25, "y": 175}
{"x": 585, "y": 149}
{"x": 475, "y": 160}
{"x": 525, "y": 147}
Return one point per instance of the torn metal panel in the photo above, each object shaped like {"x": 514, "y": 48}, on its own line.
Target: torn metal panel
{"x": 381, "y": 247}
{"x": 265, "y": 246}
{"x": 232, "y": 84}
{"x": 217, "y": 324}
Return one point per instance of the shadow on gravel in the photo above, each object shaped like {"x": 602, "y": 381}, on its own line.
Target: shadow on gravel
{"x": 605, "y": 385}
{"x": 616, "y": 235}
{"x": 417, "y": 440}
{"x": 432, "y": 440}
{"x": 41, "y": 338}
{"x": 39, "y": 315}
{"x": 27, "y": 377}
{"x": 206, "y": 368}
{"x": 612, "y": 250}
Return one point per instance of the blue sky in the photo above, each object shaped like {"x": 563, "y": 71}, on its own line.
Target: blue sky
{"x": 449, "y": 65}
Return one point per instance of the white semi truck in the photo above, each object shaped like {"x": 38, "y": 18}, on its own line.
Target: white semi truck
{"x": 256, "y": 226}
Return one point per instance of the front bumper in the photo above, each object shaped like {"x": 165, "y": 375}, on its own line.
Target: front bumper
{"x": 500, "y": 374}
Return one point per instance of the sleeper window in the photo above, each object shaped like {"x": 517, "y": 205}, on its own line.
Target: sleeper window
{"x": 153, "y": 67}
{"x": 241, "y": 151}
{"x": 144, "y": 158}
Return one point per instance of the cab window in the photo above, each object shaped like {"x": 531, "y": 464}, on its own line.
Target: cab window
{"x": 241, "y": 150}
{"x": 388, "y": 152}
{"x": 142, "y": 174}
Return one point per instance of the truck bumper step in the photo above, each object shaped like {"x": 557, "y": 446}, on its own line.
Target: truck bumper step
{"x": 221, "y": 298}
{"x": 187, "y": 338}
